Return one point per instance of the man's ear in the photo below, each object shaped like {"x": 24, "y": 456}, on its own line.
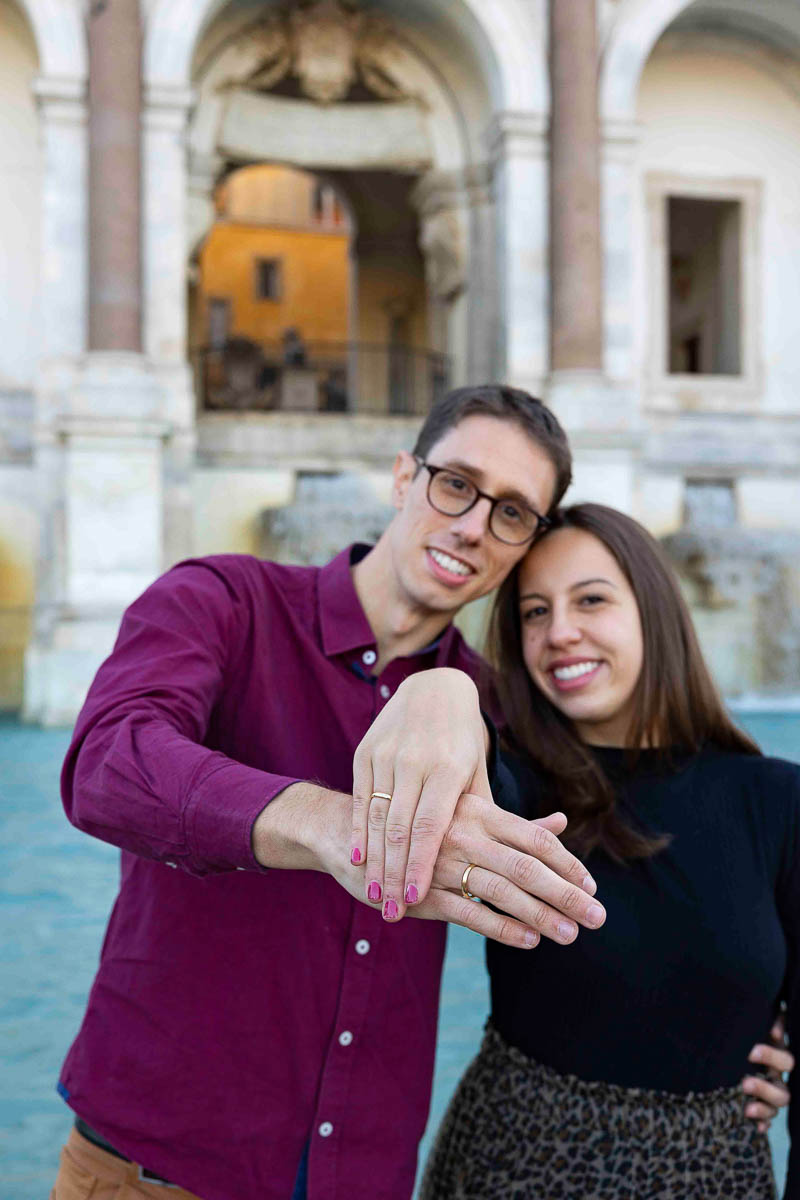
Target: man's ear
{"x": 404, "y": 470}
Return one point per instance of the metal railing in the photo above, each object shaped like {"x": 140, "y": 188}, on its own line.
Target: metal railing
{"x": 333, "y": 377}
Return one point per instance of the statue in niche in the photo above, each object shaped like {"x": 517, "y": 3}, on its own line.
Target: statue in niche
{"x": 327, "y": 45}
{"x": 443, "y": 250}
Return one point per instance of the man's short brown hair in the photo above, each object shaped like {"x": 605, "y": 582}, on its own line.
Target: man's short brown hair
{"x": 506, "y": 404}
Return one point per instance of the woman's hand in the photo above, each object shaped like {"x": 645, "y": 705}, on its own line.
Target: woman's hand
{"x": 426, "y": 748}
{"x": 769, "y": 1092}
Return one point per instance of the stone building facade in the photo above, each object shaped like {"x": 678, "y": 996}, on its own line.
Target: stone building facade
{"x": 593, "y": 199}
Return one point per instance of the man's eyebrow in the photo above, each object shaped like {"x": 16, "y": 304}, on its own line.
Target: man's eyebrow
{"x": 573, "y": 587}
{"x": 464, "y": 468}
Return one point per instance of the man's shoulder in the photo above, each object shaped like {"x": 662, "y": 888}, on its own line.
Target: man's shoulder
{"x": 235, "y": 569}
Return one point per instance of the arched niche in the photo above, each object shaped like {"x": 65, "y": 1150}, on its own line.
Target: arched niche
{"x": 450, "y": 83}
{"x": 639, "y": 24}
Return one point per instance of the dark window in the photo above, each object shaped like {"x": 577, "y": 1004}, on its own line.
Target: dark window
{"x": 268, "y": 278}
{"x": 704, "y": 286}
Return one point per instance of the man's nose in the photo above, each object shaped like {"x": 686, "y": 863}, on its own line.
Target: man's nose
{"x": 474, "y": 523}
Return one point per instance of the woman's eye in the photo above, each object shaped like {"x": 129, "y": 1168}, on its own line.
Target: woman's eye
{"x": 591, "y": 600}
{"x": 530, "y": 614}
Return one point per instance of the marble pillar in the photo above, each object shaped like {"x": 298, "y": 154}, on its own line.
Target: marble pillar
{"x": 517, "y": 143}
{"x": 576, "y": 325}
{"x": 102, "y": 423}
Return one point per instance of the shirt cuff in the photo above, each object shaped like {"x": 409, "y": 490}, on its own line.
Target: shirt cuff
{"x": 221, "y": 812}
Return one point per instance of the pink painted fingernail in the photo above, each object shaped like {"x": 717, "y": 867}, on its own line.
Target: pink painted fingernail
{"x": 355, "y": 856}
{"x": 390, "y": 910}
{"x": 374, "y": 891}
{"x": 412, "y": 895}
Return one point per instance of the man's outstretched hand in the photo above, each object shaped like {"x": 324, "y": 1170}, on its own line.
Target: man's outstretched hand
{"x": 521, "y": 868}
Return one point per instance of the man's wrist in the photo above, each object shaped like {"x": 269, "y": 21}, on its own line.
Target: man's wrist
{"x": 301, "y": 828}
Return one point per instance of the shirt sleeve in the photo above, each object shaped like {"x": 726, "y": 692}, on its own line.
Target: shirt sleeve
{"x": 137, "y": 773}
{"x": 789, "y": 906}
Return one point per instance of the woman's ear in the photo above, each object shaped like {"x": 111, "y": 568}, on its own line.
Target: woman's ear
{"x": 404, "y": 470}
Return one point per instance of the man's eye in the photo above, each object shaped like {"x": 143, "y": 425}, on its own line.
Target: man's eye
{"x": 454, "y": 483}
{"x": 511, "y": 513}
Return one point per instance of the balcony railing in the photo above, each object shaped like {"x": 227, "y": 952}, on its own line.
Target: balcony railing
{"x": 343, "y": 377}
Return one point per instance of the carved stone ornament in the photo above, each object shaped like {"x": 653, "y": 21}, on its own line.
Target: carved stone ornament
{"x": 327, "y": 45}
{"x": 443, "y": 249}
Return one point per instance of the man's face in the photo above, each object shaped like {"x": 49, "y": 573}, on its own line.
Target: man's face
{"x": 443, "y": 562}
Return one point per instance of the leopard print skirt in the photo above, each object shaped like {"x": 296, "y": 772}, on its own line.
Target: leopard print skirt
{"x": 516, "y": 1130}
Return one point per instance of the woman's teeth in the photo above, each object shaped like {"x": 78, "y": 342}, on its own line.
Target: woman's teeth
{"x": 450, "y": 564}
{"x": 575, "y": 670}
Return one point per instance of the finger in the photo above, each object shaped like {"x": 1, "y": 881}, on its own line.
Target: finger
{"x": 765, "y": 1090}
{"x": 530, "y": 911}
{"x": 762, "y": 1113}
{"x": 376, "y": 835}
{"x": 778, "y": 1031}
{"x": 557, "y": 903}
{"x": 434, "y": 811}
{"x": 556, "y": 822}
{"x": 512, "y": 833}
{"x": 443, "y": 905}
{"x": 408, "y": 784}
{"x": 773, "y": 1057}
{"x": 363, "y": 786}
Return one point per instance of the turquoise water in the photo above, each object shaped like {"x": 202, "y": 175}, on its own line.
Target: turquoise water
{"x": 56, "y": 888}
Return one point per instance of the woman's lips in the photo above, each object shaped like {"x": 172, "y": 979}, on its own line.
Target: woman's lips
{"x": 575, "y": 676}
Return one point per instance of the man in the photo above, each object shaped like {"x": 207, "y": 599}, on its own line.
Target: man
{"x": 255, "y": 1030}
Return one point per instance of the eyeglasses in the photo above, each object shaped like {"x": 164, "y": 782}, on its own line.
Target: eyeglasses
{"x": 510, "y": 520}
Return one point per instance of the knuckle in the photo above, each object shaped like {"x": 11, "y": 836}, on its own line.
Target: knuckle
{"x": 542, "y": 841}
{"x": 523, "y": 871}
{"x": 569, "y": 899}
{"x": 377, "y": 818}
{"x": 396, "y": 833}
{"x": 426, "y": 828}
{"x": 497, "y": 890}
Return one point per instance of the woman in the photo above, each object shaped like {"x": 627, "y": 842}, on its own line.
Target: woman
{"x": 611, "y": 1067}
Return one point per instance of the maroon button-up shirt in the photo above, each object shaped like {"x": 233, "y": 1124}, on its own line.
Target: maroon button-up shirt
{"x": 239, "y": 1013}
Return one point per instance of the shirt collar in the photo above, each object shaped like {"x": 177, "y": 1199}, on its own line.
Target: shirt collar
{"x": 342, "y": 620}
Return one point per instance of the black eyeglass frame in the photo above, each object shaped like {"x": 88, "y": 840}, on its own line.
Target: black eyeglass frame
{"x": 542, "y": 523}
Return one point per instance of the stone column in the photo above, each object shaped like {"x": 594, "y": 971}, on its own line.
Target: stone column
{"x": 576, "y": 324}
{"x": 114, "y": 176}
{"x": 102, "y": 429}
{"x": 518, "y": 153}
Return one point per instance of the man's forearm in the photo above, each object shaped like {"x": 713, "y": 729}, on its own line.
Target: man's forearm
{"x": 304, "y": 828}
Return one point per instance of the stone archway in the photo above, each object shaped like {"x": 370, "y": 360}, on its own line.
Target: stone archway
{"x": 489, "y": 89}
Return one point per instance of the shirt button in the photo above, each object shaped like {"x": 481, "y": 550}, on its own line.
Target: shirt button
{"x": 170, "y": 864}
{"x": 369, "y": 657}
{"x": 345, "y": 1037}
{"x": 362, "y": 946}
{"x": 385, "y": 691}
{"x": 325, "y": 1129}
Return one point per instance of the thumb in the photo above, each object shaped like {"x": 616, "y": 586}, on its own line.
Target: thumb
{"x": 556, "y": 822}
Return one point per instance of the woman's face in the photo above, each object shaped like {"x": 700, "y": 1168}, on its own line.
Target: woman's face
{"x": 581, "y": 633}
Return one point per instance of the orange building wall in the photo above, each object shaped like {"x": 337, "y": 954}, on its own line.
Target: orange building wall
{"x": 315, "y": 279}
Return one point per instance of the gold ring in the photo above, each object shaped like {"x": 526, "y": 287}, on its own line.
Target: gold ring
{"x": 380, "y": 796}
{"x": 465, "y": 892}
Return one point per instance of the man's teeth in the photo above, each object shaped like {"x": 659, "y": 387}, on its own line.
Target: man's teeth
{"x": 575, "y": 670}
{"x": 450, "y": 564}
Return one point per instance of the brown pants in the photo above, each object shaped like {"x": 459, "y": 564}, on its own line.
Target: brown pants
{"x": 87, "y": 1171}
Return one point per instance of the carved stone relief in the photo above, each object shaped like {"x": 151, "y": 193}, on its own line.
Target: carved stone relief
{"x": 327, "y": 46}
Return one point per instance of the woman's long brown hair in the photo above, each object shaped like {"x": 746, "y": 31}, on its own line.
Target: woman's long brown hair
{"x": 677, "y": 706}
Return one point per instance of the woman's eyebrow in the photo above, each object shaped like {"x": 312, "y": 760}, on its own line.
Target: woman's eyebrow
{"x": 573, "y": 587}
{"x": 586, "y": 582}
